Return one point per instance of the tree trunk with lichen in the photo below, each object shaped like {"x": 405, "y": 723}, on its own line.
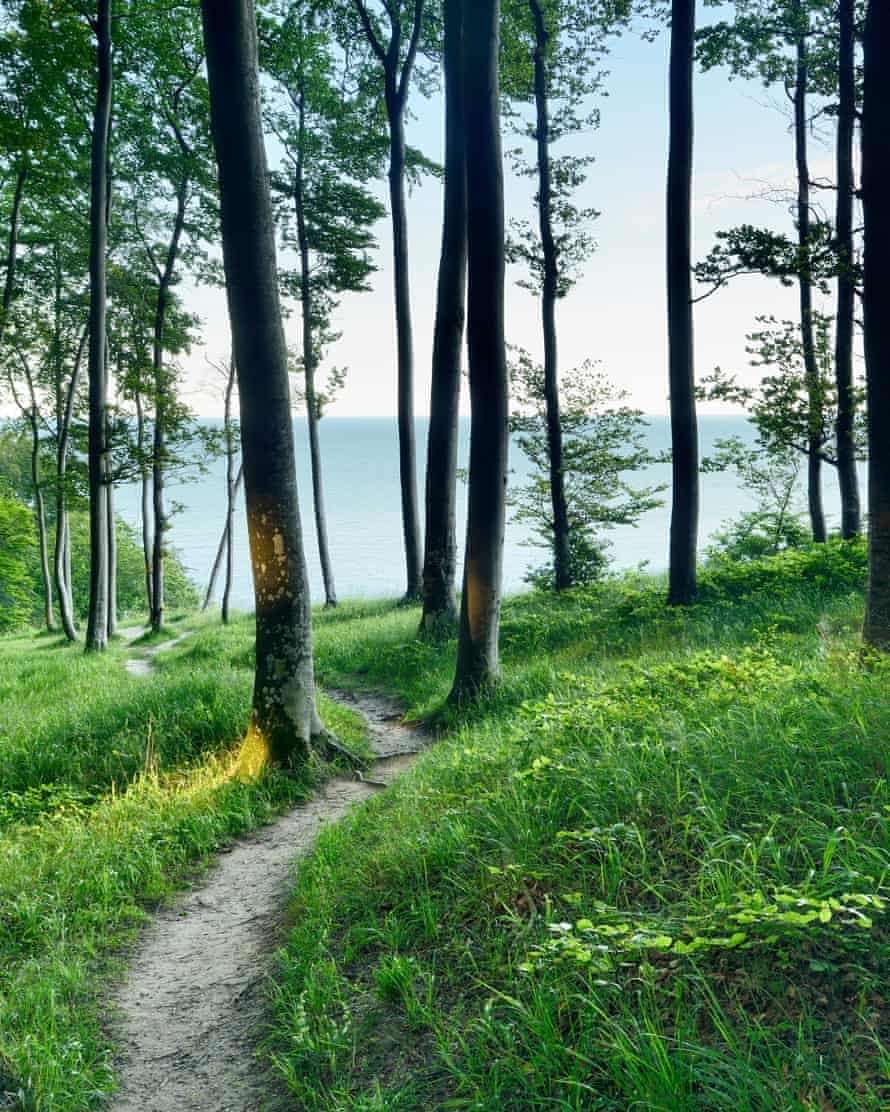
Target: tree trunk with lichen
{"x": 284, "y": 719}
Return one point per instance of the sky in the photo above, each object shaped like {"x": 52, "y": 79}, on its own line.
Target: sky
{"x": 616, "y": 313}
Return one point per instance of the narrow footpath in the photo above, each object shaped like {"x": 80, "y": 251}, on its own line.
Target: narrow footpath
{"x": 190, "y": 1015}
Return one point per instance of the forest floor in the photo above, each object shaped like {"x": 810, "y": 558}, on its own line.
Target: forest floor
{"x": 650, "y": 871}
{"x": 193, "y": 1004}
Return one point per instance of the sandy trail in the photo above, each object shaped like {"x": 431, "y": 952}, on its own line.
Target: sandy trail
{"x": 143, "y": 665}
{"x": 191, "y": 1011}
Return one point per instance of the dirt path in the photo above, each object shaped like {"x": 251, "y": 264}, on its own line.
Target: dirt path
{"x": 192, "y": 1008}
{"x": 143, "y": 665}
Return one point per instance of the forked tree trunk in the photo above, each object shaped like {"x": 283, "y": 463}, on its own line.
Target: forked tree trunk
{"x": 230, "y": 497}
{"x": 112, "y": 561}
{"x": 875, "y": 175}
{"x": 549, "y": 293}
{"x": 40, "y": 510}
{"x": 684, "y": 421}
{"x": 97, "y": 622}
{"x": 284, "y": 719}
{"x": 477, "y": 652}
{"x": 846, "y": 286}
{"x": 225, "y": 545}
{"x": 144, "y": 503}
{"x": 162, "y": 390}
{"x": 805, "y": 288}
{"x": 61, "y": 569}
{"x": 310, "y": 360}
{"x": 440, "y": 556}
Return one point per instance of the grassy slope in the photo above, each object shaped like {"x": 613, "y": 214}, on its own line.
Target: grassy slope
{"x": 112, "y": 789}
{"x": 505, "y": 928}
{"x": 651, "y": 873}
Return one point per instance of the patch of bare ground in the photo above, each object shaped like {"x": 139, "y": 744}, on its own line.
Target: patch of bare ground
{"x": 190, "y": 1015}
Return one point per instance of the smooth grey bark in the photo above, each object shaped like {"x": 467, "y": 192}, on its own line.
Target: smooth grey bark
{"x": 440, "y": 552}
{"x": 223, "y": 546}
{"x": 144, "y": 503}
{"x": 681, "y": 343}
{"x": 161, "y": 391}
{"x": 309, "y": 356}
{"x": 230, "y": 496}
{"x": 477, "y": 650}
{"x": 805, "y": 288}
{"x": 97, "y": 621}
{"x": 875, "y": 175}
{"x": 12, "y": 246}
{"x": 112, "y": 559}
{"x": 64, "y": 415}
{"x": 848, "y": 481}
{"x": 284, "y": 718}
{"x": 549, "y": 294}
{"x": 396, "y": 81}
{"x": 40, "y": 506}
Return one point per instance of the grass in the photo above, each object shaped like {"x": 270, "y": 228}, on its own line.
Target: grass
{"x": 113, "y": 789}
{"x": 650, "y": 873}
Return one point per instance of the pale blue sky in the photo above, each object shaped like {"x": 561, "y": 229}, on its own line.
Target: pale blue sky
{"x": 616, "y": 313}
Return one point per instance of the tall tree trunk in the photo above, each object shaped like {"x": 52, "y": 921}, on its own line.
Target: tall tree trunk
{"x": 162, "y": 390}
{"x": 404, "y": 341}
{"x": 846, "y": 287}
{"x": 684, "y": 421}
{"x": 477, "y": 651}
{"x": 230, "y": 497}
{"x": 875, "y": 175}
{"x": 284, "y": 719}
{"x": 549, "y": 293}
{"x": 145, "y": 503}
{"x": 440, "y": 556}
{"x": 61, "y": 563}
{"x": 805, "y": 287}
{"x": 40, "y": 509}
{"x": 97, "y": 622}
{"x": 112, "y": 560}
{"x": 309, "y": 361}
{"x": 224, "y": 546}
{"x": 12, "y": 246}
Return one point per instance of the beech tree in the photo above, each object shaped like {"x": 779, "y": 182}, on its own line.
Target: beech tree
{"x": 790, "y": 43}
{"x": 846, "y": 271}
{"x": 165, "y": 160}
{"x": 681, "y": 347}
{"x": 284, "y": 721}
{"x": 324, "y": 120}
{"x": 554, "y": 52}
{"x": 875, "y": 171}
{"x": 440, "y": 548}
{"x": 97, "y": 621}
{"x": 393, "y": 37}
{"x": 477, "y": 649}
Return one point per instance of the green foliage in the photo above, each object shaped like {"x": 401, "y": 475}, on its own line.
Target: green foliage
{"x": 602, "y": 442}
{"x": 113, "y": 789}
{"x": 651, "y": 872}
{"x": 18, "y": 554}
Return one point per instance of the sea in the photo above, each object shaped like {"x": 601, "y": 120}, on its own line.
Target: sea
{"x": 361, "y": 477}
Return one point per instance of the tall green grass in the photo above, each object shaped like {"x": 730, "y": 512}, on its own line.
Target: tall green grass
{"x": 650, "y": 873}
{"x": 113, "y": 788}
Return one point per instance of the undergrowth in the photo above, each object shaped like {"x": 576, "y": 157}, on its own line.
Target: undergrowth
{"x": 113, "y": 789}
{"x": 651, "y": 872}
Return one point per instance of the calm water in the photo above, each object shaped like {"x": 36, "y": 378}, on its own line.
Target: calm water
{"x": 364, "y": 523}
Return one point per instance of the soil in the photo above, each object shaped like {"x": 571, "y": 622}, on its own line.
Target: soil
{"x": 191, "y": 1014}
